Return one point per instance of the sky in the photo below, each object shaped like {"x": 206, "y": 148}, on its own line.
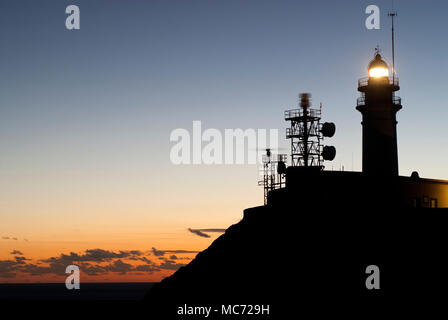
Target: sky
{"x": 86, "y": 117}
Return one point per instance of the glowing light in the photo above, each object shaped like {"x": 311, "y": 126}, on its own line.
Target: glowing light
{"x": 378, "y": 72}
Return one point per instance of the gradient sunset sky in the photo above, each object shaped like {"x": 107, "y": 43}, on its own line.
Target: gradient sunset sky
{"x": 86, "y": 117}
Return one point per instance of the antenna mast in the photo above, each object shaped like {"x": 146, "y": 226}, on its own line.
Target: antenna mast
{"x": 274, "y": 170}
{"x": 307, "y": 133}
{"x": 393, "y": 14}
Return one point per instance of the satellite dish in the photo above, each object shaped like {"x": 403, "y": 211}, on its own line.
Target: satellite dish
{"x": 329, "y": 153}
{"x": 281, "y": 167}
{"x": 328, "y": 129}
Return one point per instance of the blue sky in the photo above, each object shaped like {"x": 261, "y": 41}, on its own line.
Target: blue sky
{"x": 86, "y": 115}
{"x": 157, "y": 65}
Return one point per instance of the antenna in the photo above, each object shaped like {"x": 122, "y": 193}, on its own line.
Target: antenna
{"x": 393, "y": 14}
{"x": 307, "y": 133}
{"x": 274, "y": 170}
{"x": 377, "y": 49}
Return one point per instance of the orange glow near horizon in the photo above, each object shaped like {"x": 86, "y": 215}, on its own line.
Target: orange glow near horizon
{"x": 86, "y": 278}
{"x": 115, "y": 214}
{"x": 40, "y": 263}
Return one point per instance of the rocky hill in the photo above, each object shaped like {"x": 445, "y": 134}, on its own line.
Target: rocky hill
{"x": 300, "y": 261}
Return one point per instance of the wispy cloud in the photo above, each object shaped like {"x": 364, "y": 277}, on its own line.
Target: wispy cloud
{"x": 12, "y": 238}
{"x": 159, "y": 253}
{"x": 204, "y": 232}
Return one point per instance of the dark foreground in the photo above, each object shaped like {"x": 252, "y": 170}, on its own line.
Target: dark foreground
{"x": 295, "y": 263}
{"x": 303, "y": 262}
{"x": 44, "y": 292}
{"x": 92, "y": 300}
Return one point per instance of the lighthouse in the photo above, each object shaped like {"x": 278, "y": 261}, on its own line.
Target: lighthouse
{"x": 379, "y": 105}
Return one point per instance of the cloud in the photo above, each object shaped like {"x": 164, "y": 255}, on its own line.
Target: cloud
{"x": 91, "y": 270}
{"x": 147, "y": 268}
{"x": 8, "y": 268}
{"x": 144, "y": 259}
{"x": 203, "y": 232}
{"x": 199, "y": 233}
{"x": 94, "y": 255}
{"x": 171, "y": 265}
{"x": 160, "y": 253}
{"x": 20, "y": 260}
{"x": 119, "y": 266}
{"x": 36, "y": 270}
{"x": 12, "y": 238}
{"x": 92, "y": 262}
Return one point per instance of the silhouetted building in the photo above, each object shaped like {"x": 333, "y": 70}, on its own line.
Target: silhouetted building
{"x": 379, "y": 183}
{"x": 379, "y": 105}
{"x": 334, "y": 223}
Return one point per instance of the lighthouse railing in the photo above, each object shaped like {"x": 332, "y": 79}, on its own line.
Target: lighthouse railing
{"x": 363, "y": 82}
{"x": 312, "y": 114}
{"x": 361, "y": 101}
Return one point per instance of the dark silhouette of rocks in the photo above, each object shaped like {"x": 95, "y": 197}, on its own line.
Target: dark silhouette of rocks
{"x": 309, "y": 248}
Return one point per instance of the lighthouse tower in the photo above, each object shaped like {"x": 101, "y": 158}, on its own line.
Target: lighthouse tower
{"x": 378, "y": 105}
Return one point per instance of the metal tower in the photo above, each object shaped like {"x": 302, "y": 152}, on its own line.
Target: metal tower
{"x": 306, "y": 134}
{"x": 274, "y": 169}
